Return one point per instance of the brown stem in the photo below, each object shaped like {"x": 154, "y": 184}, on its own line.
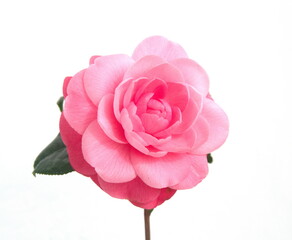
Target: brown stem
{"x": 147, "y": 213}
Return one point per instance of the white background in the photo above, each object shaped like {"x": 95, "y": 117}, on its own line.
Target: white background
{"x": 245, "y": 46}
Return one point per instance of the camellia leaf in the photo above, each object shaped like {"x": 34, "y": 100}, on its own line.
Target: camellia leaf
{"x": 209, "y": 158}
{"x": 60, "y": 103}
{"x": 53, "y": 160}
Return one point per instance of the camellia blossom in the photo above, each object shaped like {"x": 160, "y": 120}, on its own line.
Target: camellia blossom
{"x": 141, "y": 127}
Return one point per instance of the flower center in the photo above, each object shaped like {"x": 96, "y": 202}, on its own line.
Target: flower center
{"x": 154, "y": 114}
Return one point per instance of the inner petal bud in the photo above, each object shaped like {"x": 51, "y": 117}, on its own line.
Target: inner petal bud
{"x": 155, "y": 106}
{"x": 153, "y": 123}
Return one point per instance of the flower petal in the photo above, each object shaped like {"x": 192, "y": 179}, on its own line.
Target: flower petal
{"x": 166, "y": 72}
{"x": 111, "y": 160}
{"x": 119, "y": 98}
{"x": 107, "y": 120}
{"x": 134, "y": 138}
{"x": 151, "y": 140}
{"x": 165, "y": 194}
{"x": 105, "y": 75}
{"x": 65, "y": 85}
{"x": 193, "y": 74}
{"x": 156, "y": 86}
{"x": 198, "y": 171}
{"x": 72, "y": 140}
{"x": 92, "y": 59}
{"x": 177, "y": 95}
{"x": 135, "y": 190}
{"x": 159, "y": 46}
{"x": 78, "y": 109}
{"x": 174, "y": 123}
{"x": 161, "y": 172}
{"x": 139, "y": 143}
{"x": 218, "y": 126}
{"x": 148, "y": 119}
{"x": 191, "y": 112}
{"x": 143, "y": 65}
{"x": 181, "y": 143}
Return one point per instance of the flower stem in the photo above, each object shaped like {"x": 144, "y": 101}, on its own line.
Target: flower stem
{"x": 147, "y": 213}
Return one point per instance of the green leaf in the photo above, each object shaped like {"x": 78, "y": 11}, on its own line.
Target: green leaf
{"x": 209, "y": 158}
{"x": 53, "y": 160}
{"x": 60, "y": 103}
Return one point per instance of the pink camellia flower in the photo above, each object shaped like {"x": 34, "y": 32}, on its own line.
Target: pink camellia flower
{"x": 141, "y": 127}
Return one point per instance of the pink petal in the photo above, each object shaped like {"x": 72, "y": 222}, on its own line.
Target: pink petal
{"x": 107, "y": 120}
{"x": 181, "y": 143}
{"x": 159, "y": 46}
{"x": 139, "y": 143}
{"x": 65, "y": 85}
{"x": 201, "y": 129}
{"x": 143, "y": 65}
{"x": 198, "y": 171}
{"x": 156, "y": 86}
{"x": 165, "y": 194}
{"x": 218, "y": 126}
{"x": 78, "y": 110}
{"x": 177, "y": 95}
{"x": 134, "y": 139}
{"x": 119, "y": 98}
{"x": 92, "y": 59}
{"x": 193, "y": 74}
{"x": 161, "y": 172}
{"x": 72, "y": 140}
{"x": 111, "y": 160}
{"x": 191, "y": 112}
{"x": 149, "y": 205}
{"x": 142, "y": 103}
{"x": 175, "y": 121}
{"x": 135, "y": 120}
{"x": 188, "y": 117}
{"x": 129, "y": 120}
{"x": 148, "y": 119}
{"x": 151, "y": 140}
{"x": 105, "y": 75}
{"x": 165, "y": 72}
{"x": 132, "y": 89}
{"x": 135, "y": 190}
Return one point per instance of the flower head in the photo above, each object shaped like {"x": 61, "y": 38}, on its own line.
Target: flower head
{"x": 141, "y": 127}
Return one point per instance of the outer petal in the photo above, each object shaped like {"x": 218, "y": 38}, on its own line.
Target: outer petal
{"x": 108, "y": 121}
{"x": 104, "y": 75}
{"x": 165, "y": 194}
{"x": 92, "y": 59}
{"x": 161, "y": 172}
{"x": 149, "y": 205}
{"x": 218, "y": 126}
{"x": 199, "y": 170}
{"x": 111, "y": 160}
{"x": 65, "y": 85}
{"x": 78, "y": 110}
{"x": 135, "y": 190}
{"x": 193, "y": 74}
{"x": 159, "y": 46}
{"x": 72, "y": 140}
